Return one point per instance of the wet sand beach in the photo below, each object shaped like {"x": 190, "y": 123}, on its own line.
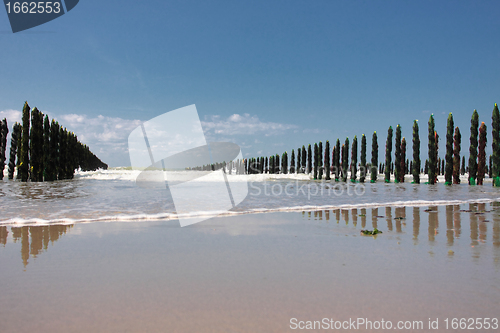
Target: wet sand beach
{"x": 255, "y": 272}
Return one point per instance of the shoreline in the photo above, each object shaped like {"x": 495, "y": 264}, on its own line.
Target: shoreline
{"x": 248, "y": 273}
{"x": 211, "y": 215}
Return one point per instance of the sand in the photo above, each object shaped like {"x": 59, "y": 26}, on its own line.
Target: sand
{"x": 254, "y": 273}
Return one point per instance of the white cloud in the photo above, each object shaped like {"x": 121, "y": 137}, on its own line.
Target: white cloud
{"x": 313, "y": 130}
{"x": 101, "y": 129}
{"x": 243, "y": 125}
{"x": 107, "y": 137}
{"x": 12, "y": 116}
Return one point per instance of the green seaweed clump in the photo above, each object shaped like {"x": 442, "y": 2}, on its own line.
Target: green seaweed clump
{"x": 371, "y": 232}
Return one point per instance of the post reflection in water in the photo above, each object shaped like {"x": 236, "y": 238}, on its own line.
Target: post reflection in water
{"x": 374, "y": 218}
{"x": 457, "y": 221}
{"x": 400, "y": 216}
{"x": 496, "y": 227}
{"x": 41, "y": 236}
{"x": 481, "y": 207}
{"x": 3, "y": 235}
{"x": 25, "y": 245}
{"x": 345, "y": 216}
{"x": 416, "y": 224}
{"x": 481, "y": 220}
{"x": 388, "y": 216}
{"x": 449, "y": 226}
{"x": 483, "y": 228}
{"x": 354, "y": 213}
{"x": 433, "y": 223}
{"x": 496, "y": 237}
{"x": 474, "y": 230}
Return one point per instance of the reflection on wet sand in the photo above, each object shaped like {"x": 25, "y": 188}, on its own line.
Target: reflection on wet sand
{"x": 354, "y": 213}
{"x": 481, "y": 207}
{"x": 433, "y": 223}
{"x": 345, "y": 216}
{"x": 388, "y": 217}
{"x": 400, "y": 218}
{"x": 482, "y": 218}
{"x": 3, "y": 235}
{"x": 41, "y": 236}
{"x": 479, "y": 220}
{"x": 449, "y": 225}
{"x": 474, "y": 232}
{"x": 496, "y": 226}
{"x": 158, "y": 277}
{"x": 416, "y": 224}
{"x": 457, "y": 222}
{"x": 374, "y": 218}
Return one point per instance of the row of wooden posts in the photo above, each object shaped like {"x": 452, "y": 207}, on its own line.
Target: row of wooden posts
{"x": 43, "y": 150}
{"x": 322, "y": 164}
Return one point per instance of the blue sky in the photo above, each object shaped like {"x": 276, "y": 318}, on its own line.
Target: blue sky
{"x": 295, "y": 72}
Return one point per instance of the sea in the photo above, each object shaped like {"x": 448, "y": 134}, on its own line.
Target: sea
{"x": 116, "y": 195}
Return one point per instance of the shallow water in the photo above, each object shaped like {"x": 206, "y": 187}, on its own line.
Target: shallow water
{"x": 114, "y": 195}
{"x": 253, "y": 273}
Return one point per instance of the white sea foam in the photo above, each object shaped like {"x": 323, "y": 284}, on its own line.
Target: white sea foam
{"x": 113, "y": 195}
{"x": 16, "y": 221}
{"x": 131, "y": 175}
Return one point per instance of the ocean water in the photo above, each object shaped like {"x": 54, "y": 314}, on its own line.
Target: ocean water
{"x": 114, "y": 195}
